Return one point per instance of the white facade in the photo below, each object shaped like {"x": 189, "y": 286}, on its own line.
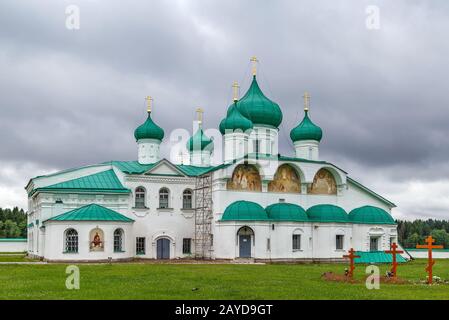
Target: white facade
{"x": 148, "y": 150}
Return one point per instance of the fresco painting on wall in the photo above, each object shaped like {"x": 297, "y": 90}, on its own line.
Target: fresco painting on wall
{"x": 285, "y": 180}
{"x": 323, "y": 183}
{"x": 245, "y": 177}
{"x": 96, "y": 240}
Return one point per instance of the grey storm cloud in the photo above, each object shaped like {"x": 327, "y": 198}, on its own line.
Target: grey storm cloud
{"x": 74, "y": 97}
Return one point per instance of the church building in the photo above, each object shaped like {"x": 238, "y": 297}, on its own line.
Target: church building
{"x": 255, "y": 204}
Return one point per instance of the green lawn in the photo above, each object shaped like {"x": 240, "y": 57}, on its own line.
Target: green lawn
{"x": 225, "y": 281}
{"x": 14, "y": 257}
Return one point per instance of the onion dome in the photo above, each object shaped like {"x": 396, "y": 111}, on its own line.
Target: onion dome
{"x": 255, "y": 106}
{"x": 306, "y": 130}
{"x": 370, "y": 215}
{"x": 199, "y": 142}
{"x": 244, "y": 210}
{"x": 286, "y": 212}
{"x": 235, "y": 121}
{"x": 327, "y": 213}
{"x": 149, "y": 130}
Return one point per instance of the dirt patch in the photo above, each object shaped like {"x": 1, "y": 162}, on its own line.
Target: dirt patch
{"x": 330, "y": 276}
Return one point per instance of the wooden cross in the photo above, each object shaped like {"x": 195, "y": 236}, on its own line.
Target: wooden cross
{"x": 430, "y": 262}
{"x": 351, "y": 256}
{"x": 306, "y": 97}
{"x": 149, "y": 100}
{"x": 393, "y": 250}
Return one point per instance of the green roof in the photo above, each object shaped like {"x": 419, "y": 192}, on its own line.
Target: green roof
{"x": 306, "y": 130}
{"x": 13, "y": 240}
{"x": 426, "y": 250}
{"x": 244, "y": 210}
{"x": 91, "y": 212}
{"x": 235, "y": 121}
{"x": 105, "y": 181}
{"x": 370, "y": 215}
{"x": 286, "y": 212}
{"x": 199, "y": 141}
{"x": 255, "y": 106}
{"x": 369, "y": 257}
{"x": 149, "y": 130}
{"x": 327, "y": 213}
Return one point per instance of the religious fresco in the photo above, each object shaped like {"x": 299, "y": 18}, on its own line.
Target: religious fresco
{"x": 245, "y": 177}
{"x": 96, "y": 240}
{"x": 285, "y": 180}
{"x": 323, "y": 183}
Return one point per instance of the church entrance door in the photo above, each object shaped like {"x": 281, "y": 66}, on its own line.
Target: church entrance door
{"x": 245, "y": 246}
{"x": 163, "y": 248}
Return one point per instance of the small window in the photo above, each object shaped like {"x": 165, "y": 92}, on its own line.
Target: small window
{"x": 296, "y": 242}
{"x": 163, "y": 198}
{"x": 71, "y": 241}
{"x": 118, "y": 240}
{"x": 140, "y": 245}
{"x": 339, "y": 241}
{"x": 268, "y": 244}
{"x": 256, "y": 146}
{"x": 374, "y": 244}
{"x": 211, "y": 240}
{"x": 186, "y": 246}
{"x": 187, "y": 199}
{"x": 140, "y": 197}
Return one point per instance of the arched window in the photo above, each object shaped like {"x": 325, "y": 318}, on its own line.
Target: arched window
{"x": 140, "y": 197}
{"x": 118, "y": 240}
{"x": 187, "y": 199}
{"x": 163, "y": 198}
{"x": 71, "y": 241}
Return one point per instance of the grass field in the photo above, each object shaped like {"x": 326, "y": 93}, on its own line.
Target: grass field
{"x": 225, "y": 281}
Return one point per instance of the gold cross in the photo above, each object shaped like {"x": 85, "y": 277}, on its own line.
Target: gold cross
{"x": 199, "y": 112}
{"x": 306, "y": 97}
{"x": 254, "y": 62}
{"x": 235, "y": 89}
{"x": 149, "y": 100}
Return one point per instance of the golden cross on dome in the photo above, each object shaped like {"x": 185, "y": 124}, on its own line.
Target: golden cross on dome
{"x": 254, "y": 63}
{"x": 200, "y": 112}
{"x": 306, "y": 97}
{"x": 235, "y": 89}
{"x": 149, "y": 100}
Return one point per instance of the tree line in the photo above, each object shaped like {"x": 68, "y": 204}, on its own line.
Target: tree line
{"x": 13, "y": 223}
{"x": 410, "y": 233}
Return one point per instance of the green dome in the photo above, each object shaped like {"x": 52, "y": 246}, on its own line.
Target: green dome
{"x": 235, "y": 121}
{"x": 149, "y": 130}
{"x": 306, "y": 130}
{"x": 327, "y": 213}
{"x": 286, "y": 212}
{"x": 244, "y": 210}
{"x": 199, "y": 139}
{"x": 370, "y": 215}
{"x": 258, "y": 108}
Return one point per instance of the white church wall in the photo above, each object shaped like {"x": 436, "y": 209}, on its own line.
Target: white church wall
{"x": 55, "y": 240}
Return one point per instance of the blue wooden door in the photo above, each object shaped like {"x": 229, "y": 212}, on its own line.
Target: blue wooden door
{"x": 163, "y": 249}
{"x": 245, "y": 246}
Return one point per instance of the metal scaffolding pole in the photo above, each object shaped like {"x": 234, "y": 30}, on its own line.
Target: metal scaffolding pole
{"x": 203, "y": 217}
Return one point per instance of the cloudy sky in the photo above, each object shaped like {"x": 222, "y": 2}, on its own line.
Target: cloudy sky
{"x": 379, "y": 83}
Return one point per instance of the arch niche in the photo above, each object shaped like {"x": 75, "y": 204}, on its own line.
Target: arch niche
{"x": 286, "y": 179}
{"x": 96, "y": 240}
{"x": 245, "y": 177}
{"x": 323, "y": 183}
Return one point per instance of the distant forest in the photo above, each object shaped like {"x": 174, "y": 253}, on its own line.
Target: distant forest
{"x": 412, "y": 232}
{"x": 13, "y": 224}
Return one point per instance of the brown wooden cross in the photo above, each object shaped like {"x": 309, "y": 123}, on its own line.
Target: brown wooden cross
{"x": 430, "y": 262}
{"x": 351, "y": 256}
{"x": 393, "y": 250}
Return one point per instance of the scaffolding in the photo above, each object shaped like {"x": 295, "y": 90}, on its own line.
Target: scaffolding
{"x": 203, "y": 217}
